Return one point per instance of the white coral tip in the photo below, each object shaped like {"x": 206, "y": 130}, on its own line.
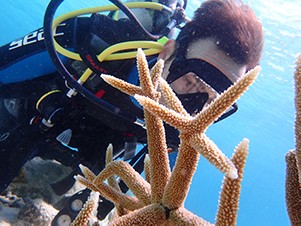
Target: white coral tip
{"x": 146, "y": 158}
{"x": 140, "y": 52}
{"x": 139, "y": 98}
{"x": 82, "y": 168}
{"x": 110, "y": 147}
{"x": 233, "y": 174}
{"x": 105, "y": 76}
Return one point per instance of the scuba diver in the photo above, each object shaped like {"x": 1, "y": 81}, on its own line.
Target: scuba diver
{"x": 55, "y": 105}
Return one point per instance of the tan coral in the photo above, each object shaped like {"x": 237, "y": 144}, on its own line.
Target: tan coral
{"x": 155, "y": 126}
{"x": 228, "y": 203}
{"x": 187, "y": 124}
{"x": 147, "y": 168}
{"x": 109, "y": 158}
{"x": 298, "y": 114}
{"x": 111, "y": 194}
{"x": 292, "y": 191}
{"x": 168, "y": 190}
{"x": 293, "y": 159}
{"x": 153, "y": 214}
{"x": 113, "y": 182}
{"x": 193, "y": 142}
{"x": 86, "y": 212}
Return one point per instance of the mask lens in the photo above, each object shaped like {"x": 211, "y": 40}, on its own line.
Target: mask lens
{"x": 193, "y": 102}
{"x": 193, "y": 92}
{"x": 205, "y": 71}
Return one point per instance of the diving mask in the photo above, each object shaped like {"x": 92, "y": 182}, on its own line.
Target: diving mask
{"x": 197, "y": 83}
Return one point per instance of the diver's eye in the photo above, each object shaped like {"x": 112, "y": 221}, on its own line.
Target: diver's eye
{"x": 189, "y": 84}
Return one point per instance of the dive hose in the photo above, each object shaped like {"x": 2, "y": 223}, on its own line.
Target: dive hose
{"x": 49, "y": 43}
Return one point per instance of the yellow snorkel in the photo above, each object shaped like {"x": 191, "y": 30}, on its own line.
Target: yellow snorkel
{"x": 152, "y": 47}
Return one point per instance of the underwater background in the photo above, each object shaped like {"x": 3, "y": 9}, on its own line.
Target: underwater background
{"x": 265, "y": 116}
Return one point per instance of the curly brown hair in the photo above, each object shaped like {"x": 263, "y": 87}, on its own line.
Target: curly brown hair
{"x": 233, "y": 25}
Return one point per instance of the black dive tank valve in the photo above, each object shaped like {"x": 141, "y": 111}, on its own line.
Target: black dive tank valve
{"x": 51, "y": 105}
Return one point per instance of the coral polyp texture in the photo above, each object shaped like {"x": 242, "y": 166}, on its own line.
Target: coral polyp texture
{"x": 293, "y": 159}
{"x": 159, "y": 199}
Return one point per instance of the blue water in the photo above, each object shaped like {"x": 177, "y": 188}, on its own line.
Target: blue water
{"x": 265, "y": 116}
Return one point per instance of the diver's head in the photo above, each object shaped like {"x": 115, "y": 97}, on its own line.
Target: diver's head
{"x": 202, "y": 74}
{"x": 212, "y": 51}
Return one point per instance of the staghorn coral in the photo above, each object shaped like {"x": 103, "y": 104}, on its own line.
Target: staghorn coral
{"x": 86, "y": 212}
{"x": 292, "y": 190}
{"x": 293, "y": 159}
{"x": 161, "y": 200}
{"x": 228, "y": 203}
{"x": 112, "y": 180}
{"x": 298, "y": 114}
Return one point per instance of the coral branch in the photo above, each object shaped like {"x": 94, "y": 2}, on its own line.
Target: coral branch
{"x": 85, "y": 182}
{"x": 173, "y": 118}
{"x": 211, "y": 113}
{"x": 183, "y": 217}
{"x": 156, "y": 72}
{"x": 113, "y": 182}
{"x": 111, "y": 194}
{"x": 147, "y": 168}
{"x": 298, "y": 115}
{"x": 86, "y": 212}
{"x": 230, "y": 194}
{"x": 292, "y": 189}
{"x": 89, "y": 175}
{"x": 170, "y": 98}
{"x": 109, "y": 158}
{"x": 213, "y": 154}
{"x": 150, "y": 215}
{"x": 159, "y": 162}
{"x": 122, "y": 169}
{"x": 179, "y": 183}
{"x": 125, "y": 87}
{"x": 144, "y": 75}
